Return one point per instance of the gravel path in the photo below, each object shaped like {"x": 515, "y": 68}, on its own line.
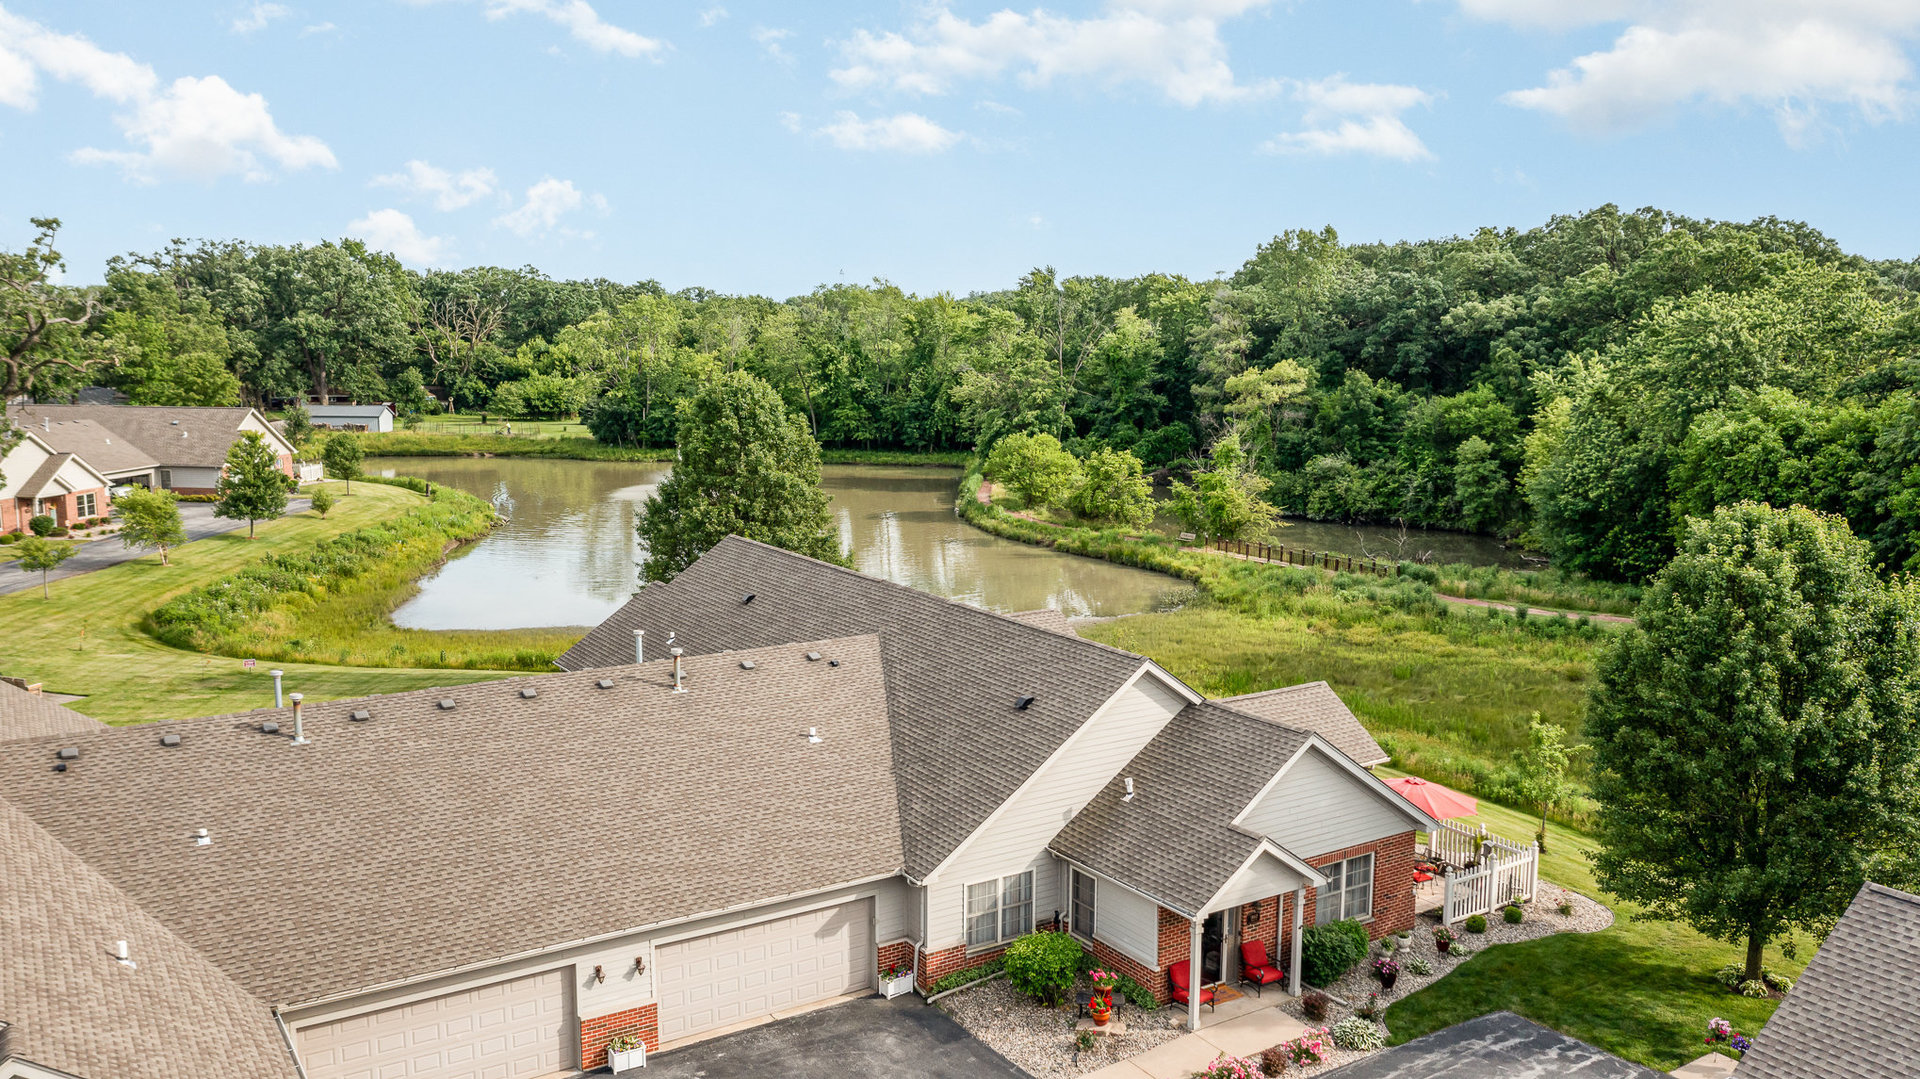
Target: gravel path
{"x": 1040, "y": 1040}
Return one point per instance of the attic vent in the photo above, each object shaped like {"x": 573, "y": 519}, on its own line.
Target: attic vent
{"x": 169, "y": 739}
{"x": 813, "y": 655}
{"x": 746, "y": 665}
{"x": 446, "y": 704}
{"x": 202, "y": 839}
{"x": 747, "y": 600}
{"x": 1023, "y": 703}
{"x": 269, "y": 728}
{"x": 605, "y": 683}
{"x": 360, "y": 715}
{"x": 68, "y": 754}
{"x": 176, "y": 423}
{"x": 529, "y": 693}
{"x": 833, "y": 663}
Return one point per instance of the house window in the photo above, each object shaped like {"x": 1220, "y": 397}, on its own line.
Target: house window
{"x": 1349, "y": 891}
{"x": 166, "y": 479}
{"x": 83, "y": 504}
{"x": 1082, "y": 913}
{"x": 999, "y": 910}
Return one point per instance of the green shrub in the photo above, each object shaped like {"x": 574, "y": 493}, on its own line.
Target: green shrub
{"x": 1424, "y": 574}
{"x": 1083, "y": 1040}
{"x": 1354, "y": 1032}
{"x": 1476, "y": 923}
{"x": 42, "y": 525}
{"x": 1043, "y": 966}
{"x": 965, "y": 977}
{"x": 10, "y": 537}
{"x": 1513, "y": 914}
{"x": 1756, "y": 989}
{"x": 1417, "y": 965}
{"x": 1137, "y": 995}
{"x": 1315, "y": 1004}
{"x": 1328, "y": 951}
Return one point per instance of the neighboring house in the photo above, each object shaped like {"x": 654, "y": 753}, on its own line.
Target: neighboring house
{"x": 1853, "y": 1012}
{"x": 36, "y": 479}
{"x": 837, "y": 774}
{"x": 376, "y": 417}
{"x": 179, "y": 448}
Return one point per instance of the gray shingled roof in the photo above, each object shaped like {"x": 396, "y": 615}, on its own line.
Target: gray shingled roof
{"x": 452, "y": 832}
{"x": 1853, "y": 1013}
{"x": 953, "y": 673}
{"x": 1313, "y": 706}
{"x": 68, "y": 1005}
{"x": 92, "y": 442}
{"x": 1175, "y": 841}
{"x": 1045, "y": 618}
{"x": 170, "y": 434}
{"x": 30, "y": 715}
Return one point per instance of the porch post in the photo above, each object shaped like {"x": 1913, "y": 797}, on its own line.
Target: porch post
{"x": 1299, "y": 920}
{"x": 1196, "y": 972}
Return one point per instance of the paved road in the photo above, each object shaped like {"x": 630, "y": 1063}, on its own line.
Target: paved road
{"x": 901, "y": 1038}
{"x": 197, "y": 517}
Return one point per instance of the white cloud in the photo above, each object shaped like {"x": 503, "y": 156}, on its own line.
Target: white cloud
{"x": 318, "y": 28}
{"x": 393, "y": 231}
{"x": 546, "y": 203}
{"x": 769, "y": 38}
{"x": 908, "y": 132}
{"x": 583, "y": 22}
{"x": 194, "y": 127}
{"x": 449, "y": 190}
{"x": 1355, "y": 118}
{"x": 258, "y": 16}
{"x": 712, "y": 15}
{"x": 1791, "y": 55}
{"x": 1172, "y": 45}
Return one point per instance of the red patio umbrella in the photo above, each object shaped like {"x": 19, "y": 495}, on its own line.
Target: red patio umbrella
{"x": 1439, "y": 802}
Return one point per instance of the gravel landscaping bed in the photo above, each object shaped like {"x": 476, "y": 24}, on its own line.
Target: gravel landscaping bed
{"x": 1040, "y": 1040}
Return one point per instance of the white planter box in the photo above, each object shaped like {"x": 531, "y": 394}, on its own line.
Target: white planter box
{"x": 622, "y": 1061}
{"x": 896, "y": 987}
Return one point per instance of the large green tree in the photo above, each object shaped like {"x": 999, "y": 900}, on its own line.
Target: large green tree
{"x": 252, "y": 487}
{"x": 42, "y": 348}
{"x": 1035, "y": 467}
{"x": 744, "y": 467}
{"x": 1755, "y": 734}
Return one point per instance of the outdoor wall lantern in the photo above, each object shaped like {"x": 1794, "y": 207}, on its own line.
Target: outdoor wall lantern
{"x": 599, "y": 973}
{"x": 1251, "y": 915}
{"x": 639, "y": 964}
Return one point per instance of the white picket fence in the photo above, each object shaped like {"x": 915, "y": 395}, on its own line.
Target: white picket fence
{"x": 1454, "y": 845}
{"x": 1504, "y": 872}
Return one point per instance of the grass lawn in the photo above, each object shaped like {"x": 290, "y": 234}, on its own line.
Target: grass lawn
{"x": 86, "y": 639}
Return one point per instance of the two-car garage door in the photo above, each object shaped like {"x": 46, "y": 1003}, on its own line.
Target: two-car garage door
{"x": 755, "y": 970}
{"x": 516, "y": 1029}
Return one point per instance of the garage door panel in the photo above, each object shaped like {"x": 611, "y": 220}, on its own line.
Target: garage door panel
{"x": 517, "y": 1029}
{"x": 750, "y": 971}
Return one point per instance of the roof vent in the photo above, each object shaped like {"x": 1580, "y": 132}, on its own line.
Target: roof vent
{"x": 202, "y": 839}
{"x": 176, "y": 423}
{"x": 833, "y": 663}
{"x": 446, "y": 704}
{"x": 269, "y": 728}
{"x": 605, "y": 683}
{"x": 1023, "y": 703}
{"x": 813, "y": 736}
{"x": 1129, "y": 797}
{"x": 747, "y": 600}
{"x": 529, "y": 693}
{"x": 169, "y": 739}
{"x": 360, "y": 715}
{"x": 813, "y": 655}
{"x": 68, "y": 753}
{"x": 60, "y": 767}
{"x": 746, "y": 665}
{"x": 123, "y": 956}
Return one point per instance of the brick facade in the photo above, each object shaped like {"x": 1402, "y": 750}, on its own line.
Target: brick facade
{"x": 643, "y": 1022}
{"x": 898, "y": 954}
{"x": 63, "y": 508}
{"x": 937, "y": 965}
{"x": 1153, "y": 980}
{"x": 1393, "y": 862}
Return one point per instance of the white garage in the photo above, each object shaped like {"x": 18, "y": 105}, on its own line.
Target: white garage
{"x": 516, "y": 1029}
{"x": 755, "y": 970}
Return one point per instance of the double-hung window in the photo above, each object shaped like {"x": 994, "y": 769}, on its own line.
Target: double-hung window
{"x": 84, "y": 504}
{"x": 999, "y": 910}
{"x": 1082, "y": 912}
{"x": 1349, "y": 891}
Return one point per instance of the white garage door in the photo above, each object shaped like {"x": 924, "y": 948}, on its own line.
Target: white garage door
{"x": 509, "y": 1030}
{"x": 746, "y": 973}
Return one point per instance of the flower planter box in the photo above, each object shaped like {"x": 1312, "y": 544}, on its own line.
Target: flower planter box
{"x": 896, "y": 987}
{"x": 621, "y": 1061}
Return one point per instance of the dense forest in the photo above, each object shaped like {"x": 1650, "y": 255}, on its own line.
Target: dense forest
{"x": 1582, "y": 386}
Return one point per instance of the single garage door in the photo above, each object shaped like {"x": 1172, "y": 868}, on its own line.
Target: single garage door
{"x": 509, "y": 1030}
{"x": 758, "y": 969}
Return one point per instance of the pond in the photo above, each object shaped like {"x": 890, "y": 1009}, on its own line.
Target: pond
{"x": 568, "y": 556}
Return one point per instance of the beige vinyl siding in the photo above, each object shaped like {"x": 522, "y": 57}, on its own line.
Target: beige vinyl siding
{"x": 1319, "y": 807}
{"x": 257, "y": 422}
{"x": 1267, "y": 876}
{"x": 1126, "y": 922}
{"x": 1017, "y": 838}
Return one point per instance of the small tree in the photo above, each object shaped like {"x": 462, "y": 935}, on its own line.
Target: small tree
{"x": 342, "y": 456}
{"x": 322, "y": 501}
{"x": 1224, "y": 501}
{"x": 40, "y": 553}
{"x": 150, "y": 519}
{"x": 296, "y": 424}
{"x": 1036, "y": 468}
{"x": 1115, "y": 489}
{"x": 1542, "y": 767}
{"x": 252, "y": 486}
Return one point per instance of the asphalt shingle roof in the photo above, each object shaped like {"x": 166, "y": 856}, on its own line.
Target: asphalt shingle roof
{"x": 1853, "y": 1012}
{"x": 1045, "y": 618}
{"x": 31, "y": 715}
{"x": 960, "y": 748}
{"x": 69, "y": 1005}
{"x": 170, "y": 435}
{"x": 92, "y": 442}
{"x": 1313, "y": 706}
{"x": 424, "y": 839}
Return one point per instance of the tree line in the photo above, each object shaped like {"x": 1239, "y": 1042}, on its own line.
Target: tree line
{"x": 1583, "y": 386}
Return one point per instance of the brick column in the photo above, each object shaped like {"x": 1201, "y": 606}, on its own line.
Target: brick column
{"x": 642, "y": 1022}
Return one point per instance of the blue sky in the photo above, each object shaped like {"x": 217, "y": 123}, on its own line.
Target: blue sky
{"x": 767, "y": 147}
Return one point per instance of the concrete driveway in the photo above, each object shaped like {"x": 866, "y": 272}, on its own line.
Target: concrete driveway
{"x": 902, "y": 1038}
{"x": 196, "y": 517}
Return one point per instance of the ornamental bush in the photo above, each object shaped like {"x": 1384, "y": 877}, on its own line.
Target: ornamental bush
{"x": 1314, "y": 1003}
{"x": 1756, "y": 989}
{"x": 1328, "y": 951}
{"x": 1419, "y": 966}
{"x": 1513, "y": 914}
{"x": 1226, "y": 1067}
{"x": 42, "y": 525}
{"x": 1477, "y": 923}
{"x": 1354, "y": 1032}
{"x": 1273, "y": 1061}
{"x": 1043, "y": 966}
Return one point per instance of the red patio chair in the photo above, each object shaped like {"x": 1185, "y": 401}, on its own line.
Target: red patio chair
{"x": 1178, "y": 975}
{"x": 1256, "y": 968}
{"x": 1422, "y": 878}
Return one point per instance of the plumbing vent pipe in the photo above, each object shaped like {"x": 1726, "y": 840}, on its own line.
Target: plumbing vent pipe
{"x": 277, "y": 701}
{"x": 678, "y": 674}
{"x": 639, "y": 646}
{"x": 299, "y": 732}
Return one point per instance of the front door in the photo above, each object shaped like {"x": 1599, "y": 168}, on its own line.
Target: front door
{"x": 1212, "y": 935}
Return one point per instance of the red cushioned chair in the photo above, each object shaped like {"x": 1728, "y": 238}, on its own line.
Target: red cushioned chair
{"x": 1256, "y": 968}
{"x": 1178, "y": 975}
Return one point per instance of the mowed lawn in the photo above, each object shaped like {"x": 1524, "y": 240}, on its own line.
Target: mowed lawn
{"x": 87, "y": 639}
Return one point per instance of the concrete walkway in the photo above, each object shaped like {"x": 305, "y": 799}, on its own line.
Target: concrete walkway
{"x": 195, "y": 517}
{"x": 1238, "y": 1028}
{"x": 1711, "y": 1066}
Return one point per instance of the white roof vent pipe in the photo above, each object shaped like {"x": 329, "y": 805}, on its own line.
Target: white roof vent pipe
{"x": 639, "y": 646}
{"x": 813, "y": 736}
{"x": 122, "y": 955}
{"x": 202, "y": 839}
{"x": 299, "y": 732}
{"x": 679, "y": 686}
{"x": 1129, "y": 794}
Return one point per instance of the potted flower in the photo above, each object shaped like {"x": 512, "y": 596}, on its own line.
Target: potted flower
{"x": 1101, "y": 1009}
{"x": 1721, "y": 1032}
{"x": 1104, "y": 983}
{"x": 626, "y": 1053}
{"x": 1442, "y": 938}
{"x": 1387, "y": 970}
{"x": 896, "y": 981}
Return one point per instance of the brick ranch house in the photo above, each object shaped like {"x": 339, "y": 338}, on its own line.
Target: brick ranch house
{"x": 36, "y": 479}
{"x": 174, "y": 447}
{"x": 837, "y": 775}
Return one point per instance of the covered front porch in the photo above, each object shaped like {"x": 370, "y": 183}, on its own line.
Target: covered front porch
{"x": 1263, "y": 904}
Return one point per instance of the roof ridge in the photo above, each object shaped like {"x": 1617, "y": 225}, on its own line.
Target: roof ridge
{"x": 1890, "y": 893}
{"x": 1276, "y": 690}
